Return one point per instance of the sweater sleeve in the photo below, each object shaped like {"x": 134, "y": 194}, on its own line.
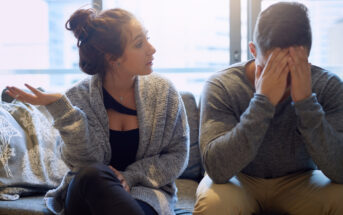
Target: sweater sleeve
{"x": 73, "y": 126}
{"x": 322, "y": 129}
{"x": 229, "y": 142}
{"x": 163, "y": 168}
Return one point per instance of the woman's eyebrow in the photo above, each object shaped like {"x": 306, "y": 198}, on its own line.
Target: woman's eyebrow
{"x": 138, "y": 37}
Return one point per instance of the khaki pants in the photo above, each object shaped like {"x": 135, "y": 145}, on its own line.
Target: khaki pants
{"x": 309, "y": 193}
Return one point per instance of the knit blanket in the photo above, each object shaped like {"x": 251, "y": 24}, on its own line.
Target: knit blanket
{"x": 30, "y": 161}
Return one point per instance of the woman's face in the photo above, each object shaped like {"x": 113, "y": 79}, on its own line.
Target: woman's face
{"x": 138, "y": 54}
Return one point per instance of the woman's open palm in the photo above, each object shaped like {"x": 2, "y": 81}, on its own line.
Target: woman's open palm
{"x": 37, "y": 97}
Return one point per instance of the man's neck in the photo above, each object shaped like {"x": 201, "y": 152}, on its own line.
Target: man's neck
{"x": 250, "y": 72}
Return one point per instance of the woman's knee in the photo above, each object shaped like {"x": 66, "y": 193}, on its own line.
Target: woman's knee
{"x": 94, "y": 174}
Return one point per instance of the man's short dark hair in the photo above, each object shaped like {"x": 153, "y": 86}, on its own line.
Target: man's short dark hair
{"x": 282, "y": 25}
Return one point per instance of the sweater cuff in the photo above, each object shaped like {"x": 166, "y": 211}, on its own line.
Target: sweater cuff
{"x": 309, "y": 111}
{"x": 305, "y": 104}
{"x": 261, "y": 105}
{"x": 58, "y": 108}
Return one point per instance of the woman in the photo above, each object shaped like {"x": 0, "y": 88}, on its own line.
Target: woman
{"x": 124, "y": 129}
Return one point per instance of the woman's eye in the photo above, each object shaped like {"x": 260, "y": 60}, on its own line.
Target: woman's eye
{"x": 138, "y": 45}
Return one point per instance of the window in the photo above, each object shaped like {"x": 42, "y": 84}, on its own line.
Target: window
{"x": 34, "y": 45}
{"x": 193, "y": 38}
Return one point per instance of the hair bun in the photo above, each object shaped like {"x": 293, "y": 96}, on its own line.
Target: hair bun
{"x": 80, "y": 23}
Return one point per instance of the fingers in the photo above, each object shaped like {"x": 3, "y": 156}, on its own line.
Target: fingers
{"x": 283, "y": 69}
{"x": 276, "y": 63}
{"x": 301, "y": 86}
{"x": 125, "y": 186}
{"x": 299, "y": 61}
{"x": 292, "y": 67}
{"x": 11, "y": 93}
{"x": 299, "y": 54}
{"x": 34, "y": 90}
{"x": 120, "y": 178}
{"x": 16, "y": 93}
{"x": 270, "y": 60}
{"x": 279, "y": 61}
{"x": 258, "y": 72}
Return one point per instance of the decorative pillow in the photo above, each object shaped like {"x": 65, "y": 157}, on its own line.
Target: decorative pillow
{"x": 5, "y": 97}
{"x": 29, "y": 151}
{"x": 194, "y": 169}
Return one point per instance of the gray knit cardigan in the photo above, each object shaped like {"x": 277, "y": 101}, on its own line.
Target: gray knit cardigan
{"x": 162, "y": 155}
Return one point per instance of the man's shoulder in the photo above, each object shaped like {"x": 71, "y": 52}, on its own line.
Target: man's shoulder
{"x": 231, "y": 76}
{"x": 322, "y": 76}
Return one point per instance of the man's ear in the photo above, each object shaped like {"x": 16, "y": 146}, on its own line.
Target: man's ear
{"x": 252, "y": 49}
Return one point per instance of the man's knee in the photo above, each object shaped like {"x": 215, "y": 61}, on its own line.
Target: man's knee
{"x": 329, "y": 194}
{"x": 222, "y": 199}
{"x": 334, "y": 199}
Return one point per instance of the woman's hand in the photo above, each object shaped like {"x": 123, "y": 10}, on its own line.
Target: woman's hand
{"x": 121, "y": 178}
{"x": 37, "y": 98}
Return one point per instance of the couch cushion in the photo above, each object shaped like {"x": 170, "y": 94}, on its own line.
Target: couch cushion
{"x": 33, "y": 205}
{"x": 28, "y": 151}
{"x": 194, "y": 169}
{"x": 186, "y": 189}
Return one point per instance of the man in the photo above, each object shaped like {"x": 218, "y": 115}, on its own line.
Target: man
{"x": 269, "y": 124}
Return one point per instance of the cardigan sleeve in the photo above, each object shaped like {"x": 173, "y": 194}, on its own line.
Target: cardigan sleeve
{"x": 77, "y": 132}
{"x": 163, "y": 168}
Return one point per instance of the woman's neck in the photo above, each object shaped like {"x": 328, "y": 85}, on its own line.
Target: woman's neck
{"x": 116, "y": 83}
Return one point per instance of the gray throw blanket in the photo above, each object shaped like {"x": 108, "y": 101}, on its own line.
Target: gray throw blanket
{"x": 29, "y": 158}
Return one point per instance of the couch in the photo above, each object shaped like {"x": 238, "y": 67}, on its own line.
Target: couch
{"x": 186, "y": 183}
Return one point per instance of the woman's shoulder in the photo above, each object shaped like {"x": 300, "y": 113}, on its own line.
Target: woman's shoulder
{"x": 157, "y": 82}
{"x": 157, "y": 78}
{"x": 158, "y": 89}
{"x": 82, "y": 84}
{"x": 80, "y": 91}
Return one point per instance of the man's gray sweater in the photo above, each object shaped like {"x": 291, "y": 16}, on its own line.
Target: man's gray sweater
{"x": 242, "y": 131}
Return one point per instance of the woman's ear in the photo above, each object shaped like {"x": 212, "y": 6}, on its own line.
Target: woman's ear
{"x": 111, "y": 60}
{"x": 252, "y": 49}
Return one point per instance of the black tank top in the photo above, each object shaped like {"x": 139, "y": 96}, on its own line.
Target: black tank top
{"x": 124, "y": 144}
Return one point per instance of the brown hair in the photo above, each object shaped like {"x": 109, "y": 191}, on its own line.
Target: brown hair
{"x": 283, "y": 25}
{"x": 97, "y": 35}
